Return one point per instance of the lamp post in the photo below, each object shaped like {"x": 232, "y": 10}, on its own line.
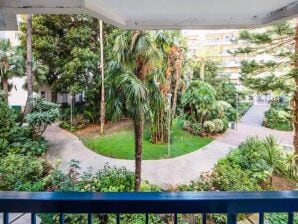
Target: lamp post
{"x": 169, "y": 97}
{"x": 237, "y": 105}
{"x": 71, "y": 110}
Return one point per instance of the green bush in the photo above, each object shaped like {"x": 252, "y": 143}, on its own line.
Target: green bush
{"x": 243, "y": 169}
{"x": 16, "y": 139}
{"x": 278, "y": 119}
{"x": 281, "y": 104}
{"x": 7, "y": 121}
{"x": 209, "y": 127}
{"x": 22, "y": 142}
{"x": 21, "y": 173}
{"x": 41, "y": 115}
{"x": 78, "y": 122}
{"x": 108, "y": 179}
{"x": 219, "y": 125}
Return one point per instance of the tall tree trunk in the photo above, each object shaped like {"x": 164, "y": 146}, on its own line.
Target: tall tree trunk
{"x": 295, "y": 142}
{"x": 138, "y": 124}
{"x": 177, "y": 76}
{"x": 138, "y": 131}
{"x": 102, "y": 101}
{"x": 29, "y": 66}
{"x": 5, "y": 89}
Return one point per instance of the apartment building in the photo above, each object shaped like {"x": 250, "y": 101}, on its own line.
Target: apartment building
{"x": 216, "y": 45}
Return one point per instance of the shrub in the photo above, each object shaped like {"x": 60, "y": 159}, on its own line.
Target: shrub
{"x": 187, "y": 125}
{"x": 278, "y": 119}
{"x": 194, "y": 128}
{"x": 21, "y": 173}
{"x": 16, "y": 139}
{"x": 209, "y": 126}
{"x": 41, "y": 115}
{"x": 219, "y": 125}
{"x": 108, "y": 179}
{"x": 111, "y": 179}
{"x": 198, "y": 101}
{"x": 7, "y": 121}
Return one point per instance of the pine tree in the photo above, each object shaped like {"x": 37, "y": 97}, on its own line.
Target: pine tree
{"x": 279, "y": 72}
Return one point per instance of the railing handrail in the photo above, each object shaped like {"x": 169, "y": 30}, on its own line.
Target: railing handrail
{"x": 151, "y": 202}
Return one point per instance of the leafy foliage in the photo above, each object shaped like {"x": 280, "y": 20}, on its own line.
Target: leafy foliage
{"x": 21, "y": 173}
{"x": 17, "y": 139}
{"x": 279, "y": 116}
{"x": 41, "y": 115}
{"x": 245, "y": 168}
{"x": 7, "y": 120}
{"x": 198, "y": 101}
{"x": 271, "y": 74}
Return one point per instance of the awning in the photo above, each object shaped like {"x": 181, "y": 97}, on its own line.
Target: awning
{"x": 158, "y": 14}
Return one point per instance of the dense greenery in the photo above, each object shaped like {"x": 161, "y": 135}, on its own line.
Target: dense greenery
{"x": 276, "y": 42}
{"x": 41, "y": 115}
{"x": 248, "y": 167}
{"x": 17, "y": 139}
{"x": 120, "y": 144}
{"x": 205, "y": 112}
{"x": 279, "y": 116}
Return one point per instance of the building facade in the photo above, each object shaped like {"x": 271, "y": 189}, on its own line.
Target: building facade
{"x": 217, "y": 45}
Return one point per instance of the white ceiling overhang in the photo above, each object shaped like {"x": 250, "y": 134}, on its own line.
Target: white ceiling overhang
{"x": 158, "y": 14}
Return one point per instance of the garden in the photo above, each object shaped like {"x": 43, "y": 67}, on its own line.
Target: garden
{"x": 151, "y": 82}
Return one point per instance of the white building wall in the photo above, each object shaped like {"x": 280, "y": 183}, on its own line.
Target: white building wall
{"x": 18, "y": 95}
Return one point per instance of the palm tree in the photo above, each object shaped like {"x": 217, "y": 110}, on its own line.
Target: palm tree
{"x": 29, "y": 65}
{"x": 11, "y": 64}
{"x": 271, "y": 154}
{"x": 170, "y": 45}
{"x": 136, "y": 51}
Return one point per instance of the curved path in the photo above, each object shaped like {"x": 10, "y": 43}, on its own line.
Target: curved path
{"x": 65, "y": 146}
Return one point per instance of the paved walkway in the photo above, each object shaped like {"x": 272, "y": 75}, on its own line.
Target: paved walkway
{"x": 65, "y": 146}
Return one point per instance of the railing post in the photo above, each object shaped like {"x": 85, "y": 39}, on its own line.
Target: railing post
{"x": 175, "y": 218}
{"x": 89, "y": 218}
{"x": 232, "y": 218}
{"x": 33, "y": 218}
{"x": 61, "y": 218}
{"x": 261, "y": 218}
{"x": 5, "y": 218}
{"x": 118, "y": 218}
{"x": 204, "y": 218}
{"x": 290, "y": 218}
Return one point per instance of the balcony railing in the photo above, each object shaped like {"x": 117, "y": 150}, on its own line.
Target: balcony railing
{"x": 230, "y": 203}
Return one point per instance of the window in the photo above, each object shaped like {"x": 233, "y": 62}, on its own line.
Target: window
{"x": 64, "y": 98}
{"x": 43, "y": 95}
{"x": 54, "y": 97}
{"x": 79, "y": 98}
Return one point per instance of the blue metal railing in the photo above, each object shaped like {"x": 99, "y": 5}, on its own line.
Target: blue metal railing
{"x": 230, "y": 203}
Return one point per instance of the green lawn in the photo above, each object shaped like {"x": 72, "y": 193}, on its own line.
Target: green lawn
{"x": 121, "y": 144}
